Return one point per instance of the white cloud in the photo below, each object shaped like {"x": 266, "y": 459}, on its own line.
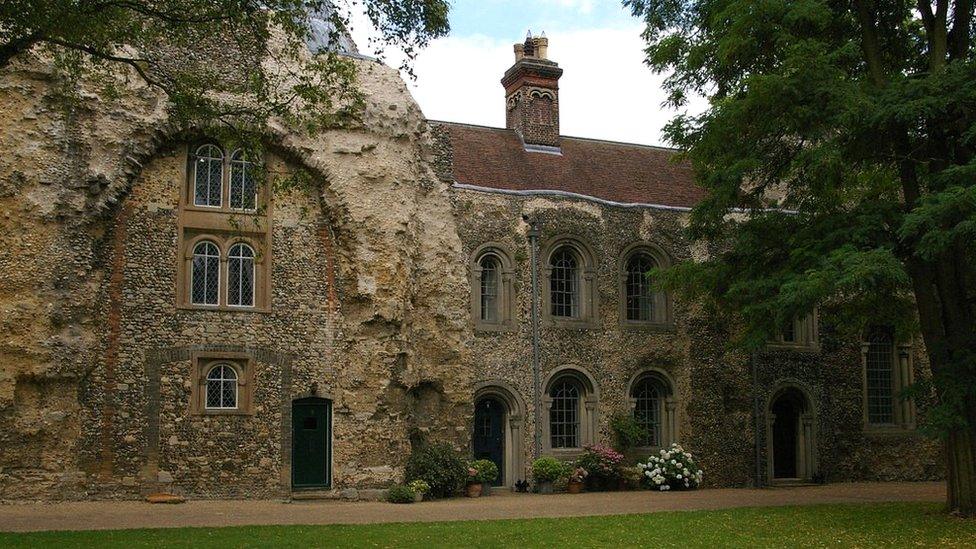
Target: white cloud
{"x": 606, "y": 91}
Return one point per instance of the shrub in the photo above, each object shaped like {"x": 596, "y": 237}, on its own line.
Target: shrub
{"x": 400, "y": 494}
{"x": 440, "y": 466}
{"x": 482, "y": 470}
{"x": 603, "y": 465}
{"x": 548, "y": 469}
{"x": 671, "y": 469}
{"x": 626, "y": 431}
{"x": 419, "y": 486}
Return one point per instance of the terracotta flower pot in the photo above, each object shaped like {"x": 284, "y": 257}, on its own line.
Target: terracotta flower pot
{"x": 574, "y": 487}
{"x": 474, "y": 490}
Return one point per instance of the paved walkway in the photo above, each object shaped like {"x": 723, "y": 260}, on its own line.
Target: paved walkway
{"x": 132, "y": 514}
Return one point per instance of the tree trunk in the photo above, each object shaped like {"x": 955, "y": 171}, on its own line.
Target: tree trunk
{"x": 960, "y": 451}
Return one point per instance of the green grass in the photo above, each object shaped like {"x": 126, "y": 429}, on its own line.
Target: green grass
{"x": 856, "y": 525}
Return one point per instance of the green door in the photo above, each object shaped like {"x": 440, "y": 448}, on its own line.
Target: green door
{"x": 311, "y": 443}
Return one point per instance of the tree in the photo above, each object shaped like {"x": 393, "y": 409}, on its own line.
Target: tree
{"x": 837, "y": 151}
{"x": 225, "y": 63}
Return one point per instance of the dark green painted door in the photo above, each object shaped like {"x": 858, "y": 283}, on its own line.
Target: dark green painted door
{"x": 489, "y": 434}
{"x": 311, "y": 443}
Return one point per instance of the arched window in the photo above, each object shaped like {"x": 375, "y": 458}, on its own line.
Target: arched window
{"x": 564, "y": 414}
{"x": 648, "y": 398}
{"x": 222, "y": 388}
{"x": 490, "y": 279}
{"x": 240, "y": 276}
{"x": 639, "y": 297}
{"x": 205, "y": 274}
{"x": 208, "y": 176}
{"x": 243, "y": 191}
{"x": 564, "y": 284}
{"x": 879, "y": 366}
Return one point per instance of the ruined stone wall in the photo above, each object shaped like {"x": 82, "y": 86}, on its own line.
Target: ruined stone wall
{"x": 713, "y": 384}
{"x": 367, "y": 300}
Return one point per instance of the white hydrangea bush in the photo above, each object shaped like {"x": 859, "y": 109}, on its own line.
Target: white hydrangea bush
{"x": 672, "y": 469}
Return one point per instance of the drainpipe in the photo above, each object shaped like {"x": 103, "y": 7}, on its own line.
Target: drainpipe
{"x": 534, "y": 232}
{"x": 755, "y": 413}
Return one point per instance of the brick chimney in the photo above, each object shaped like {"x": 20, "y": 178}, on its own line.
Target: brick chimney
{"x": 532, "y": 93}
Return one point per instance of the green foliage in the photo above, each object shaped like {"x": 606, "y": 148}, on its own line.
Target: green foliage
{"x": 548, "y": 469}
{"x": 419, "y": 486}
{"x": 485, "y": 471}
{"x": 401, "y": 494}
{"x": 207, "y": 56}
{"x": 440, "y": 466}
{"x": 626, "y": 431}
{"x": 838, "y": 152}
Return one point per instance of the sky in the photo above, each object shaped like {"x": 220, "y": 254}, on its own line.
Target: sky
{"x": 606, "y": 91}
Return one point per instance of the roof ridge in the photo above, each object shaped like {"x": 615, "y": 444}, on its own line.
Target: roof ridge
{"x": 592, "y": 139}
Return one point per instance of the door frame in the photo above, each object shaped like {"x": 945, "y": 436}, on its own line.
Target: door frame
{"x": 806, "y": 434}
{"x": 328, "y": 447}
{"x": 512, "y": 421}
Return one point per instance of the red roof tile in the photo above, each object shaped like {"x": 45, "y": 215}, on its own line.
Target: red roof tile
{"x": 619, "y": 172}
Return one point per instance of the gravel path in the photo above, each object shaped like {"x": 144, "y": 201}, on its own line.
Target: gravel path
{"x": 131, "y": 514}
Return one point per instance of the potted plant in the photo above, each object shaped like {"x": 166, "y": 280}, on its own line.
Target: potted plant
{"x": 419, "y": 488}
{"x": 480, "y": 473}
{"x": 545, "y": 471}
{"x": 576, "y": 478}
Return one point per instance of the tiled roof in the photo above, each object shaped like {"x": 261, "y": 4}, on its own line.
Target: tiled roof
{"x": 618, "y": 172}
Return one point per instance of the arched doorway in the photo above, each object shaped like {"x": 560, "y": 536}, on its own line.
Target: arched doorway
{"x": 496, "y": 432}
{"x": 311, "y": 443}
{"x": 790, "y": 435}
{"x": 488, "y": 440}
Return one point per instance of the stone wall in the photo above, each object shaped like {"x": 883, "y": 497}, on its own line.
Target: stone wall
{"x": 367, "y": 299}
{"x": 713, "y": 385}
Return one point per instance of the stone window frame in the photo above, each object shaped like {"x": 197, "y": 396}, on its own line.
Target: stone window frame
{"x": 669, "y": 406}
{"x": 588, "y": 413}
{"x": 229, "y": 161}
{"x": 588, "y": 286}
{"x": 663, "y": 306}
{"x": 201, "y": 364}
{"x": 806, "y": 332}
{"x": 506, "y": 288}
{"x": 904, "y": 412}
{"x": 224, "y": 243}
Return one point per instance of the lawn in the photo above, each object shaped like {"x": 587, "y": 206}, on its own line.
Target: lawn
{"x": 855, "y": 525}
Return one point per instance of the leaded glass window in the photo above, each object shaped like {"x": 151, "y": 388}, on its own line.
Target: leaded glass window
{"x": 490, "y": 278}
{"x": 243, "y": 190}
{"x": 205, "y": 274}
{"x": 639, "y": 298}
{"x": 222, "y": 387}
{"x": 647, "y": 396}
{"x": 240, "y": 276}
{"x": 564, "y": 414}
{"x": 564, "y": 284}
{"x": 880, "y": 376}
{"x": 208, "y": 176}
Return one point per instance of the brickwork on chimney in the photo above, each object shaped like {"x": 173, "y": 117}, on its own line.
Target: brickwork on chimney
{"x": 532, "y": 94}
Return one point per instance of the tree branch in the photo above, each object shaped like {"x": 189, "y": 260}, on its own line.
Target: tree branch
{"x": 133, "y": 62}
{"x": 16, "y": 46}
{"x": 959, "y": 35}
{"x": 864, "y": 10}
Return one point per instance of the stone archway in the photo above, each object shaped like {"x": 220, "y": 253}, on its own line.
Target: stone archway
{"x": 791, "y": 437}
{"x": 512, "y": 415}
